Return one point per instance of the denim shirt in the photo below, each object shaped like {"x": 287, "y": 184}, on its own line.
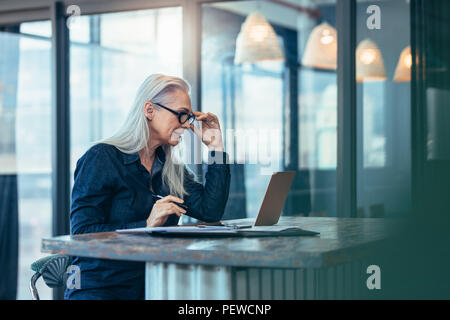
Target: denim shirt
{"x": 112, "y": 191}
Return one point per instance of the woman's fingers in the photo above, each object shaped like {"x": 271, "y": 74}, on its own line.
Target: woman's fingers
{"x": 166, "y": 209}
{"x": 203, "y": 119}
{"x": 162, "y": 209}
{"x": 200, "y": 133}
{"x": 171, "y": 208}
{"x": 207, "y": 121}
{"x": 209, "y": 131}
{"x": 197, "y": 131}
{"x": 176, "y": 209}
{"x": 201, "y": 116}
{"x": 170, "y": 198}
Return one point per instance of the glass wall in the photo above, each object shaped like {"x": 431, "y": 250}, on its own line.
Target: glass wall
{"x": 25, "y": 148}
{"x": 110, "y": 55}
{"x": 268, "y": 70}
{"x": 383, "y": 71}
{"x": 278, "y": 112}
{"x": 108, "y": 61}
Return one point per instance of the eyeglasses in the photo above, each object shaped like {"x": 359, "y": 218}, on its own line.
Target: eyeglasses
{"x": 182, "y": 116}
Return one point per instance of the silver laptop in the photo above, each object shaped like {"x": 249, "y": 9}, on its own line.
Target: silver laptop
{"x": 274, "y": 199}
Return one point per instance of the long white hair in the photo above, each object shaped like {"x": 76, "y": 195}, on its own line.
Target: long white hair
{"x": 134, "y": 134}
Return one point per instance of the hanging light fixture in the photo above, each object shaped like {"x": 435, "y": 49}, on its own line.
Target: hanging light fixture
{"x": 257, "y": 41}
{"x": 369, "y": 62}
{"x": 403, "y": 70}
{"x": 321, "y": 48}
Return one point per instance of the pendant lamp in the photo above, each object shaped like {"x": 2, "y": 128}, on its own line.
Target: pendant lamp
{"x": 369, "y": 62}
{"x": 403, "y": 70}
{"x": 321, "y": 48}
{"x": 257, "y": 41}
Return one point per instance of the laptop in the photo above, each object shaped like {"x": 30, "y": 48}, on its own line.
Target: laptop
{"x": 264, "y": 225}
{"x": 274, "y": 199}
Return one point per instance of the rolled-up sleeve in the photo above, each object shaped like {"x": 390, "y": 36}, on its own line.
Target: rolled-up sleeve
{"x": 92, "y": 195}
{"x": 207, "y": 202}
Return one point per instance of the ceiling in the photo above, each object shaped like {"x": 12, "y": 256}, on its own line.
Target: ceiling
{"x": 274, "y": 12}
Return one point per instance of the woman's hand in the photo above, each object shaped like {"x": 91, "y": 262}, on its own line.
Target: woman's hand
{"x": 210, "y": 132}
{"x": 162, "y": 209}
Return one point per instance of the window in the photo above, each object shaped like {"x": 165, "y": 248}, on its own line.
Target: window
{"x": 383, "y": 111}
{"x": 284, "y": 109}
{"x": 111, "y": 54}
{"x": 318, "y": 119}
{"x": 25, "y": 145}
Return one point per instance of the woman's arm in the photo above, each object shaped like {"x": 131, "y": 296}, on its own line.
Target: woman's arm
{"x": 92, "y": 194}
{"x": 207, "y": 203}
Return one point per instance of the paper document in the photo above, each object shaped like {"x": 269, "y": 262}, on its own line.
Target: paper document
{"x": 208, "y": 229}
{"x": 269, "y": 229}
{"x": 177, "y": 229}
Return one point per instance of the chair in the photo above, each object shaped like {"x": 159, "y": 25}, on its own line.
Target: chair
{"x": 53, "y": 271}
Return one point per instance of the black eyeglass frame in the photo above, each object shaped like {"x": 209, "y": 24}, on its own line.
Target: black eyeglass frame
{"x": 179, "y": 114}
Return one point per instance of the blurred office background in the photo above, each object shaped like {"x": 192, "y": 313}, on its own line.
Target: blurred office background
{"x": 83, "y": 72}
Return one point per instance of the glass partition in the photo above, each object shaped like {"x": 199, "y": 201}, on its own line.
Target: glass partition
{"x": 276, "y": 101}
{"x": 25, "y": 150}
{"x": 383, "y": 72}
{"x": 110, "y": 55}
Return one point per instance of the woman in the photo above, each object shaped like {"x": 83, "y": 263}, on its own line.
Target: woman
{"x": 116, "y": 182}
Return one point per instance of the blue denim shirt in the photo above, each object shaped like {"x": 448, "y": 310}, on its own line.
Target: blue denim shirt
{"x": 112, "y": 191}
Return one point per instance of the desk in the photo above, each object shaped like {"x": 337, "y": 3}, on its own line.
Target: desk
{"x": 329, "y": 266}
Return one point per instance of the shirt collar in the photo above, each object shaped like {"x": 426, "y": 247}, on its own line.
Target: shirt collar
{"x": 161, "y": 155}
{"x": 133, "y": 157}
{"x": 129, "y": 157}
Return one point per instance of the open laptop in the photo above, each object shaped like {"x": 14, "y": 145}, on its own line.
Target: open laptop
{"x": 274, "y": 199}
{"x": 269, "y": 213}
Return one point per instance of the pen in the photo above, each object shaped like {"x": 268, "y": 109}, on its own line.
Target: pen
{"x": 234, "y": 226}
{"x": 225, "y": 226}
{"x": 243, "y": 227}
{"x": 178, "y": 204}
